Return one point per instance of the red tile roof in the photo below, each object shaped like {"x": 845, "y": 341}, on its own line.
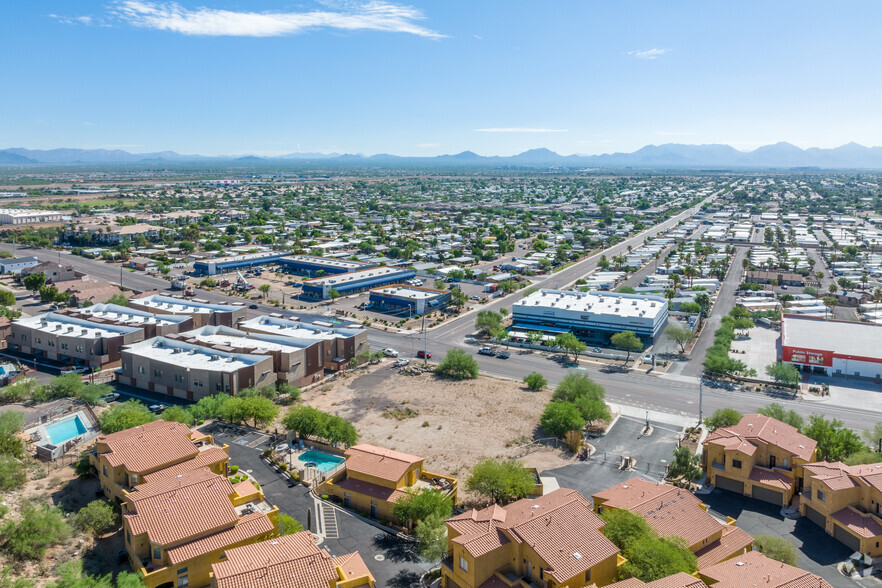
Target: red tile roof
{"x": 753, "y": 569}
{"x": 372, "y": 490}
{"x": 678, "y": 580}
{"x": 734, "y": 540}
{"x": 380, "y": 462}
{"x": 839, "y": 476}
{"x": 150, "y": 446}
{"x": 774, "y": 478}
{"x": 250, "y": 526}
{"x": 863, "y": 524}
{"x": 756, "y": 427}
{"x": 205, "y": 458}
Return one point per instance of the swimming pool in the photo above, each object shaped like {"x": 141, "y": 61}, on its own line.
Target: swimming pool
{"x": 324, "y": 462}
{"x": 64, "y": 430}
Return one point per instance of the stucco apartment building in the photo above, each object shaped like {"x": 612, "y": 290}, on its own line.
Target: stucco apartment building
{"x": 755, "y": 569}
{"x": 277, "y": 561}
{"x": 374, "y": 478}
{"x": 759, "y": 457}
{"x": 554, "y": 541}
{"x": 176, "y": 528}
{"x": 150, "y": 452}
{"x": 296, "y": 360}
{"x": 67, "y": 338}
{"x": 338, "y": 344}
{"x": 679, "y": 580}
{"x": 202, "y": 312}
{"x": 153, "y": 325}
{"x": 674, "y": 512}
{"x": 184, "y": 370}
{"x": 845, "y": 501}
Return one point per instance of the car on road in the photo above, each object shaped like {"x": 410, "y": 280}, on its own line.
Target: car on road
{"x": 595, "y": 350}
{"x": 401, "y": 362}
{"x": 474, "y": 297}
{"x": 503, "y": 354}
{"x": 423, "y": 354}
{"x": 53, "y": 307}
{"x": 253, "y": 306}
{"x": 486, "y": 351}
{"x": 81, "y": 369}
{"x": 112, "y": 397}
{"x": 389, "y": 352}
{"x": 157, "y": 408}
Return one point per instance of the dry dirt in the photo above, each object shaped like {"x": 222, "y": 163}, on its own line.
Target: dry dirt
{"x": 459, "y": 423}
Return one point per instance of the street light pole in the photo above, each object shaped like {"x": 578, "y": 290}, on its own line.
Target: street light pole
{"x": 700, "y": 397}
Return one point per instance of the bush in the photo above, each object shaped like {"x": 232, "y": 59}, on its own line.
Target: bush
{"x": 11, "y": 422}
{"x": 723, "y": 417}
{"x": 124, "y": 416}
{"x": 83, "y": 467}
{"x": 535, "y": 381}
{"x": 288, "y": 525}
{"x": 777, "y": 548}
{"x": 559, "y": 418}
{"x": 685, "y": 464}
{"x": 234, "y": 469}
{"x": 12, "y": 473}
{"x": 652, "y": 558}
{"x": 459, "y": 365}
{"x": 39, "y": 528}
{"x": 500, "y": 481}
{"x": 97, "y": 517}
{"x": 177, "y": 414}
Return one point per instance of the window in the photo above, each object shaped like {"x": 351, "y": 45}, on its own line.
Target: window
{"x": 140, "y": 369}
{"x": 588, "y": 575}
{"x": 128, "y": 537}
{"x": 79, "y": 348}
{"x": 736, "y": 463}
{"x": 179, "y": 378}
{"x": 183, "y": 582}
{"x": 51, "y": 343}
{"x": 133, "y": 479}
{"x": 821, "y": 496}
{"x": 38, "y": 340}
{"x": 64, "y": 345}
{"x": 157, "y": 373}
{"x": 217, "y": 387}
{"x": 182, "y": 571}
{"x": 105, "y": 471}
{"x": 157, "y": 552}
{"x": 463, "y": 564}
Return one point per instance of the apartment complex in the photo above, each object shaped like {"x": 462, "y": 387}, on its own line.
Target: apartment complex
{"x": 554, "y": 540}
{"x": 153, "y": 325}
{"x": 176, "y": 528}
{"x": 202, "y": 312}
{"x": 184, "y": 370}
{"x": 674, "y": 512}
{"x": 62, "y": 337}
{"x": 292, "y": 560}
{"x": 151, "y": 452}
{"x": 755, "y": 569}
{"x": 374, "y": 478}
{"x": 759, "y": 457}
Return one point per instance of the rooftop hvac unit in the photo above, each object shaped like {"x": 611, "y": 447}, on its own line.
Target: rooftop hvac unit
{"x": 84, "y": 332}
{"x": 634, "y": 303}
{"x": 70, "y": 329}
{"x": 177, "y": 350}
{"x": 215, "y": 357}
{"x": 158, "y": 344}
{"x": 193, "y": 352}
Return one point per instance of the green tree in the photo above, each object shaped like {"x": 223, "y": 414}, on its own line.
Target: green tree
{"x": 333, "y": 294}
{"x": 71, "y": 575}
{"x": 7, "y": 298}
{"x": 415, "y": 506}
{"x": 488, "y": 321}
{"x": 588, "y": 396}
{"x": 777, "y": 548}
{"x": 265, "y": 288}
{"x": 431, "y": 532}
{"x": 209, "y": 407}
{"x": 559, "y": 418}
{"x": 685, "y": 465}
{"x": 864, "y": 457}
{"x": 260, "y": 410}
{"x": 66, "y": 386}
{"x": 500, "y": 481}
{"x": 91, "y": 393}
{"x": 288, "y": 525}
{"x": 723, "y": 417}
{"x": 570, "y": 344}
{"x": 97, "y": 517}
{"x": 40, "y": 527}
{"x": 835, "y": 441}
{"x": 12, "y": 473}
{"x": 11, "y": 422}
{"x": 778, "y": 412}
{"x": 124, "y": 415}
{"x": 119, "y": 300}
{"x": 785, "y": 373}
{"x": 652, "y": 558}
{"x": 690, "y": 307}
{"x": 681, "y": 336}
{"x": 535, "y": 381}
{"x": 459, "y": 365}
{"x": 177, "y": 414}
{"x": 34, "y": 282}
{"x": 83, "y": 466}
{"x": 628, "y": 341}
{"x": 624, "y": 528}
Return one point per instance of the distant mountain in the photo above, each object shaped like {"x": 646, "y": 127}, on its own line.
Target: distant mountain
{"x": 670, "y": 155}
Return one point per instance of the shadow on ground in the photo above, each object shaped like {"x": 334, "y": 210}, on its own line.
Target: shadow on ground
{"x": 397, "y": 549}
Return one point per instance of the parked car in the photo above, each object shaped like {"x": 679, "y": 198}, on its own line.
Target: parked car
{"x": 81, "y": 369}
{"x": 596, "y": 350}
{"x": 53, "y": 307}
{"x": 503, "y": 354}
{"x": 112, "y": 397}
{"x": 486, "y": 351}
{"x": 423, "y": 354}
{"x": 253, "y": 306}
{"x": 401, "y": 362}
{"x": 389, "y": 352}
{"x": 154, "y": 408}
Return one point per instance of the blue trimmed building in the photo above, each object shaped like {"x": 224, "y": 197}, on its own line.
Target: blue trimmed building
{"x": 408, "y": 299}
{"x": 311, "y": 265}
{"x": 357, "y": 281}
{"x": 231, "y": 263}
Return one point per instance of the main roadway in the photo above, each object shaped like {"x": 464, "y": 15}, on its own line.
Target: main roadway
{"x": 677, "y": 395}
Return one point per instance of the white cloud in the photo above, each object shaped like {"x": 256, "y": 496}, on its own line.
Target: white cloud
{"x": 519, "y": 130}
{"x": 676, "y": 133}
{"x": 83, "y": 20}
{"x": 88, "y": 124}
{"x": 654, "y": 53}
{"x": 478, "y": 37}
{"x": 428, "y": 145}
{"x": 375, "y": 15}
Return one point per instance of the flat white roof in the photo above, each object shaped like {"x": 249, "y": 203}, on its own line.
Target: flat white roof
{"x": 188, "y": 355}
{"x": 59, "y": 324}
{"x": 367, "y": 274}
{"x": 180, "y": 305}
{"x": 244, "y": 257}
{"x": 624, "y": 305}
{"x": 129, "y": 315}
{"x": 328, "y": 261}
{"x": 242, "y": 340}
{"x": 295, "y": 329}
{"x": 406, "y": 292}
{"x": 840, "y": 337}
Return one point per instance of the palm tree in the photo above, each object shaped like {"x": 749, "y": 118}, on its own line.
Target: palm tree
{"x": 833, "y": 289}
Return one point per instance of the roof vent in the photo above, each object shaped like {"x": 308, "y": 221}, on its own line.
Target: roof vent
{"x": 577, "y": 555}
{"x": 740, "y": 563}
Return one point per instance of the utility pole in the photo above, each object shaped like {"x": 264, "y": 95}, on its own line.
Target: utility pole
{"x": 426, "y": 344}
{"x": 700, "y": 397}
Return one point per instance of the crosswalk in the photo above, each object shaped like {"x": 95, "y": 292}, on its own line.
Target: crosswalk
{"x": 329, "y": 522}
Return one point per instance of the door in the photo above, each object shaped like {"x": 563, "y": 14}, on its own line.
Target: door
{"x": 768, "y": 495}
{"x": 772, "y": 461}
{"x": 530, "y": 570}
{"x": 815, "y": 517}
{"x": 850, "y": 541}
{"x": 374, "y": 511}
{"x": 729, "y": 484}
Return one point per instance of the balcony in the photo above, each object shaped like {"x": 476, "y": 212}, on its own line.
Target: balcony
{"x": 444, "y": 484}
{"x": 719, "y": 466}
{"x": 447, "y": 562}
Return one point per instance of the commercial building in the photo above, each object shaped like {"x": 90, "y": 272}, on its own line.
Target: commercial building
{"x": 780, "y": 278}
{"x": 845, "y": 501}
{"x": 183, "y": 370}
{"x": 374, "y": 478}
{"x": 298, "y": 361}
{"x": 27, "y": 216}
{"x": 202, "y": 312}
{"x": 408, "y": 299}
{"x": 274, "y": 562}
{"x": 153, "y": 325}
{"x": 17, "y": 264}
{"x": 338, "y": 344}
{"x": 759, "y": 457}
{"x": 53, "y": 271}
{"x": 151, "y": 452}
{"x": 176, "y": 528}
{"x": 62, "y": 337}
{"x": 552, "y": 540}
{"x": 591, "y": 316}
{"x": 674, "y": 512}
{"x": 230, "y": 263}
{"x": 357, "y": 281}
{"x": 313, "y": 265}
{"x": 831, "y": 347}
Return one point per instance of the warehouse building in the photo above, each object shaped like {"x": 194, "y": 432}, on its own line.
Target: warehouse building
{"x": 339, "y": 344}
{"x": 400, "y": 298}
{"x": 65, "y": 338}
{"x": 230, "y": 263}
{"x": 313, "y": 265}
{"x": 16, "y": 264}
{"x": 357, "y": 281}
{"x": 298, "y": 361}
{"x": 202, "y": 312}
{"x": 592, "y": 316}
{"x": 25, "y": 216}
{"x": 831, "y": 347}
{"x": 184, "y": 370}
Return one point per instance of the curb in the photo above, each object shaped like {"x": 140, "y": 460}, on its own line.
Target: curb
{"x": 354, "y": 514}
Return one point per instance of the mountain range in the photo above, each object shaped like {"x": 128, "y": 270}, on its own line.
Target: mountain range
{"x": 671, "y": 155}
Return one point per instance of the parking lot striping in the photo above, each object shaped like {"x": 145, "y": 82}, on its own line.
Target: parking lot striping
{"x": 259, "y": 441}
{"x": 329, "y": 522}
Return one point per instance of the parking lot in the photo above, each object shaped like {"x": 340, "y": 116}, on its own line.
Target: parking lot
{"x": 758, "y": 349}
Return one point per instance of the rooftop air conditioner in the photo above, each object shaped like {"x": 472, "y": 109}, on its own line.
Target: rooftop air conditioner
{"x": 177, "y": 350}
{"x": 215, "y": 357}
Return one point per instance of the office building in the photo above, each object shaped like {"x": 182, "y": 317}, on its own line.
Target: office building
{"x": 357, "y": 281}
{"x": 408, "y": 300}
{"x": 231, "y": 263}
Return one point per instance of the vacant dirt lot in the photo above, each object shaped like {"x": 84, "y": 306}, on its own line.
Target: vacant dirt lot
{"x": 458, "y": 423}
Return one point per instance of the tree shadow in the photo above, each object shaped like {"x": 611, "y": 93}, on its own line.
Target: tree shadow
{"x": 75, "y": 494}
{"x": 102, "y": 558}
{"x": 397, "y": 549}
{"x": 405, "y": 579}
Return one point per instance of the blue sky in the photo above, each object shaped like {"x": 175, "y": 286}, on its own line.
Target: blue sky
{"x": 424, "y": 78}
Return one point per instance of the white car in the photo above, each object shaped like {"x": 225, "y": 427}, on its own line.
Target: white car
{"x": 389, "y": 352}
{"x": 401, "y": 362}
{"x": 75, "y": 370}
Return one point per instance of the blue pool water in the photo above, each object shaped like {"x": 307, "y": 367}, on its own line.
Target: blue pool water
{"x": 324, "y": 462}
{"x": 63, "y": 430}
